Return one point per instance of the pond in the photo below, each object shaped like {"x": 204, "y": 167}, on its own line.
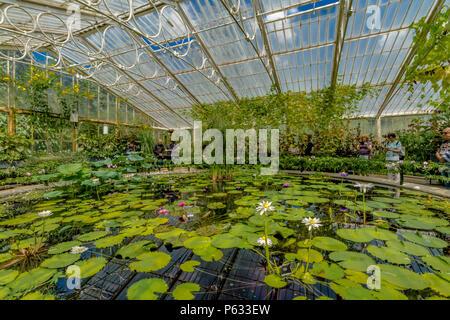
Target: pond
{"x": 185, "y": 237}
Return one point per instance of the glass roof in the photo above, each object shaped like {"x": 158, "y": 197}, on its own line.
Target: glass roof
{"x": 165, "y": 56}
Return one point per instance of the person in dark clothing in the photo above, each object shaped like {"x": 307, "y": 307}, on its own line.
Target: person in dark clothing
{"x": 158, "y": 150}
{"x": 309, "y": 146}
{"x": 169, "y": 150}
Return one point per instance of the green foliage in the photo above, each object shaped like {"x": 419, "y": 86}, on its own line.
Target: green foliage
{"x": 431, "y": 61}
{"x": 13, "y": 147}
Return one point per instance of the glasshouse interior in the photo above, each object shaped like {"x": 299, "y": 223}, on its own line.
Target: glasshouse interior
{"x": 224, "y": 150}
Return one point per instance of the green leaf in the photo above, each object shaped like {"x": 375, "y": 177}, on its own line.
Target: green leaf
{"x": 314, "y": 256}
{"x": 133, "y": 249}
{"x": 352, "y": 260}
{"x": 6, "y": 276}
{"x": 90, "y": 267}
{"x": 188, "y": 266}
{"x": 197, "y": 242}
{"x": 408, "y": 247}
{"x": 109, "y": 241}
{"x": 63, "y": 247}
{"x": 31, "y": 279}
{"x": 328, "y": 271}
{"x": 328, "y": 244}
{"x": 355, "y": 235}
{"x": 184, "y": 291}
{"x": 402, "y": 277}
{"x": 389, "y": 254}
{"x": 438, "y": 282}
{"x": 92, "y": 236}
{"x": 209, "y": 254}
{"x": 60, "y": 260}
{"x": 440, "y": 263}
{"x": 275, "y": 281}
{"x": 427, "y": 241}
{"x": 145, "y": 289}
{"x": 226, "y": 241}
{"x": 150, "y": 261}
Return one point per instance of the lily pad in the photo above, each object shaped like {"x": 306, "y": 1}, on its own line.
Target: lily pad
{"x": 209, "y": 254}
{"x": 6, "y": 276}
{"x": 133, "y": 249}
{"x": 440, "y": 263}
{"x": 31, "y": 279}
{"x": 402, "y": 277}
{"x": 427, "y": 241}
{"x": 226, "y": 241}
{"x": 150, "y": 261}
{"x": 63, "y": 247}
{"x": 355, "y": 235}
{"x": 352, "y": 260}
{"x": 60, "y": 260}
{"x": 389, "y": 254}
{"x": 328, "y": 244}
{"x": 408, "y": 247}
{"x": 275, "y": 281}
{"x": 145, "y": 289}
{"x": 92, "y": 236}
{"x": 188, "y": 266}
{"x": 197, "y": 242}
{"x": 184, "y": 291}
{"x": 90, "y": 267}
{"x": 327, "y": 271}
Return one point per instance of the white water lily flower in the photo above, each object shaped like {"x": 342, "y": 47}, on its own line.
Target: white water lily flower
{"x": 95, "y": 180}
{"x": 262, "y": 241}
{"x": 364, "y": 186}
{"x": 45, "y": 213}
{"x": 264, "y": 207}
{"x": 312, "y": 223}
{"x": 78, "y": 250}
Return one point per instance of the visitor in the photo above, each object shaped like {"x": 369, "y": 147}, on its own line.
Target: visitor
{"x": 365, "y": 147}
{"x": 393, "y": 150}
{"x": 309, "y": 146}
{"x": 443, "y": 155}
{"x": 158, "y": 150}
{"x": 169, "y": 150}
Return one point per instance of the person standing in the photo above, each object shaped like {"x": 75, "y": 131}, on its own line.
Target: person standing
{"x": 443, "y": 155}
{"x": 309, "y": 146}
{"x": 169, "y": 150}
{"x": 158, "y": 150}
{"x": 365, "y": 147}
{"x": 393, "y": 150}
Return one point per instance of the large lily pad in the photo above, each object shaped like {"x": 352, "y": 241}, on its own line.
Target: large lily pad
{"x": 389, "y": 254}
{"x": 6, "y": 276}
{"x": 145, "y": 289}
{"x": 355, "y": 235}
{"x": 402, "y": 277}
{"x": 209, "y": 254}
{"x": 197, "y": 242}
{"x": 425, "y": 240}
{"x": 90, "y": 267}
{"x": 184, "y": 291}
{"x": 60, "y": 260}
{"x": 150, "y": 261}
{"x": 352, "y": 260}
{"x": 92, "y": 235}
{"x": 31, "y": 279}
{"x": 440, "y": 263}
{"x": 63, "y": 247}
{"x": 226, "y": 241}
{"x": 328, "y": 244}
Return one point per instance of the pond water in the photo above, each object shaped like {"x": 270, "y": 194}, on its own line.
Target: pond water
{"x": 184, "y": 237}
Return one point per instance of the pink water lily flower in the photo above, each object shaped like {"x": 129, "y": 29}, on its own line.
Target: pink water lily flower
{"x": 28, "y": 174}
{"x": 163, "y": 211}
{"x": 181, "y": 204}
{"x": 286, "y": 185}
